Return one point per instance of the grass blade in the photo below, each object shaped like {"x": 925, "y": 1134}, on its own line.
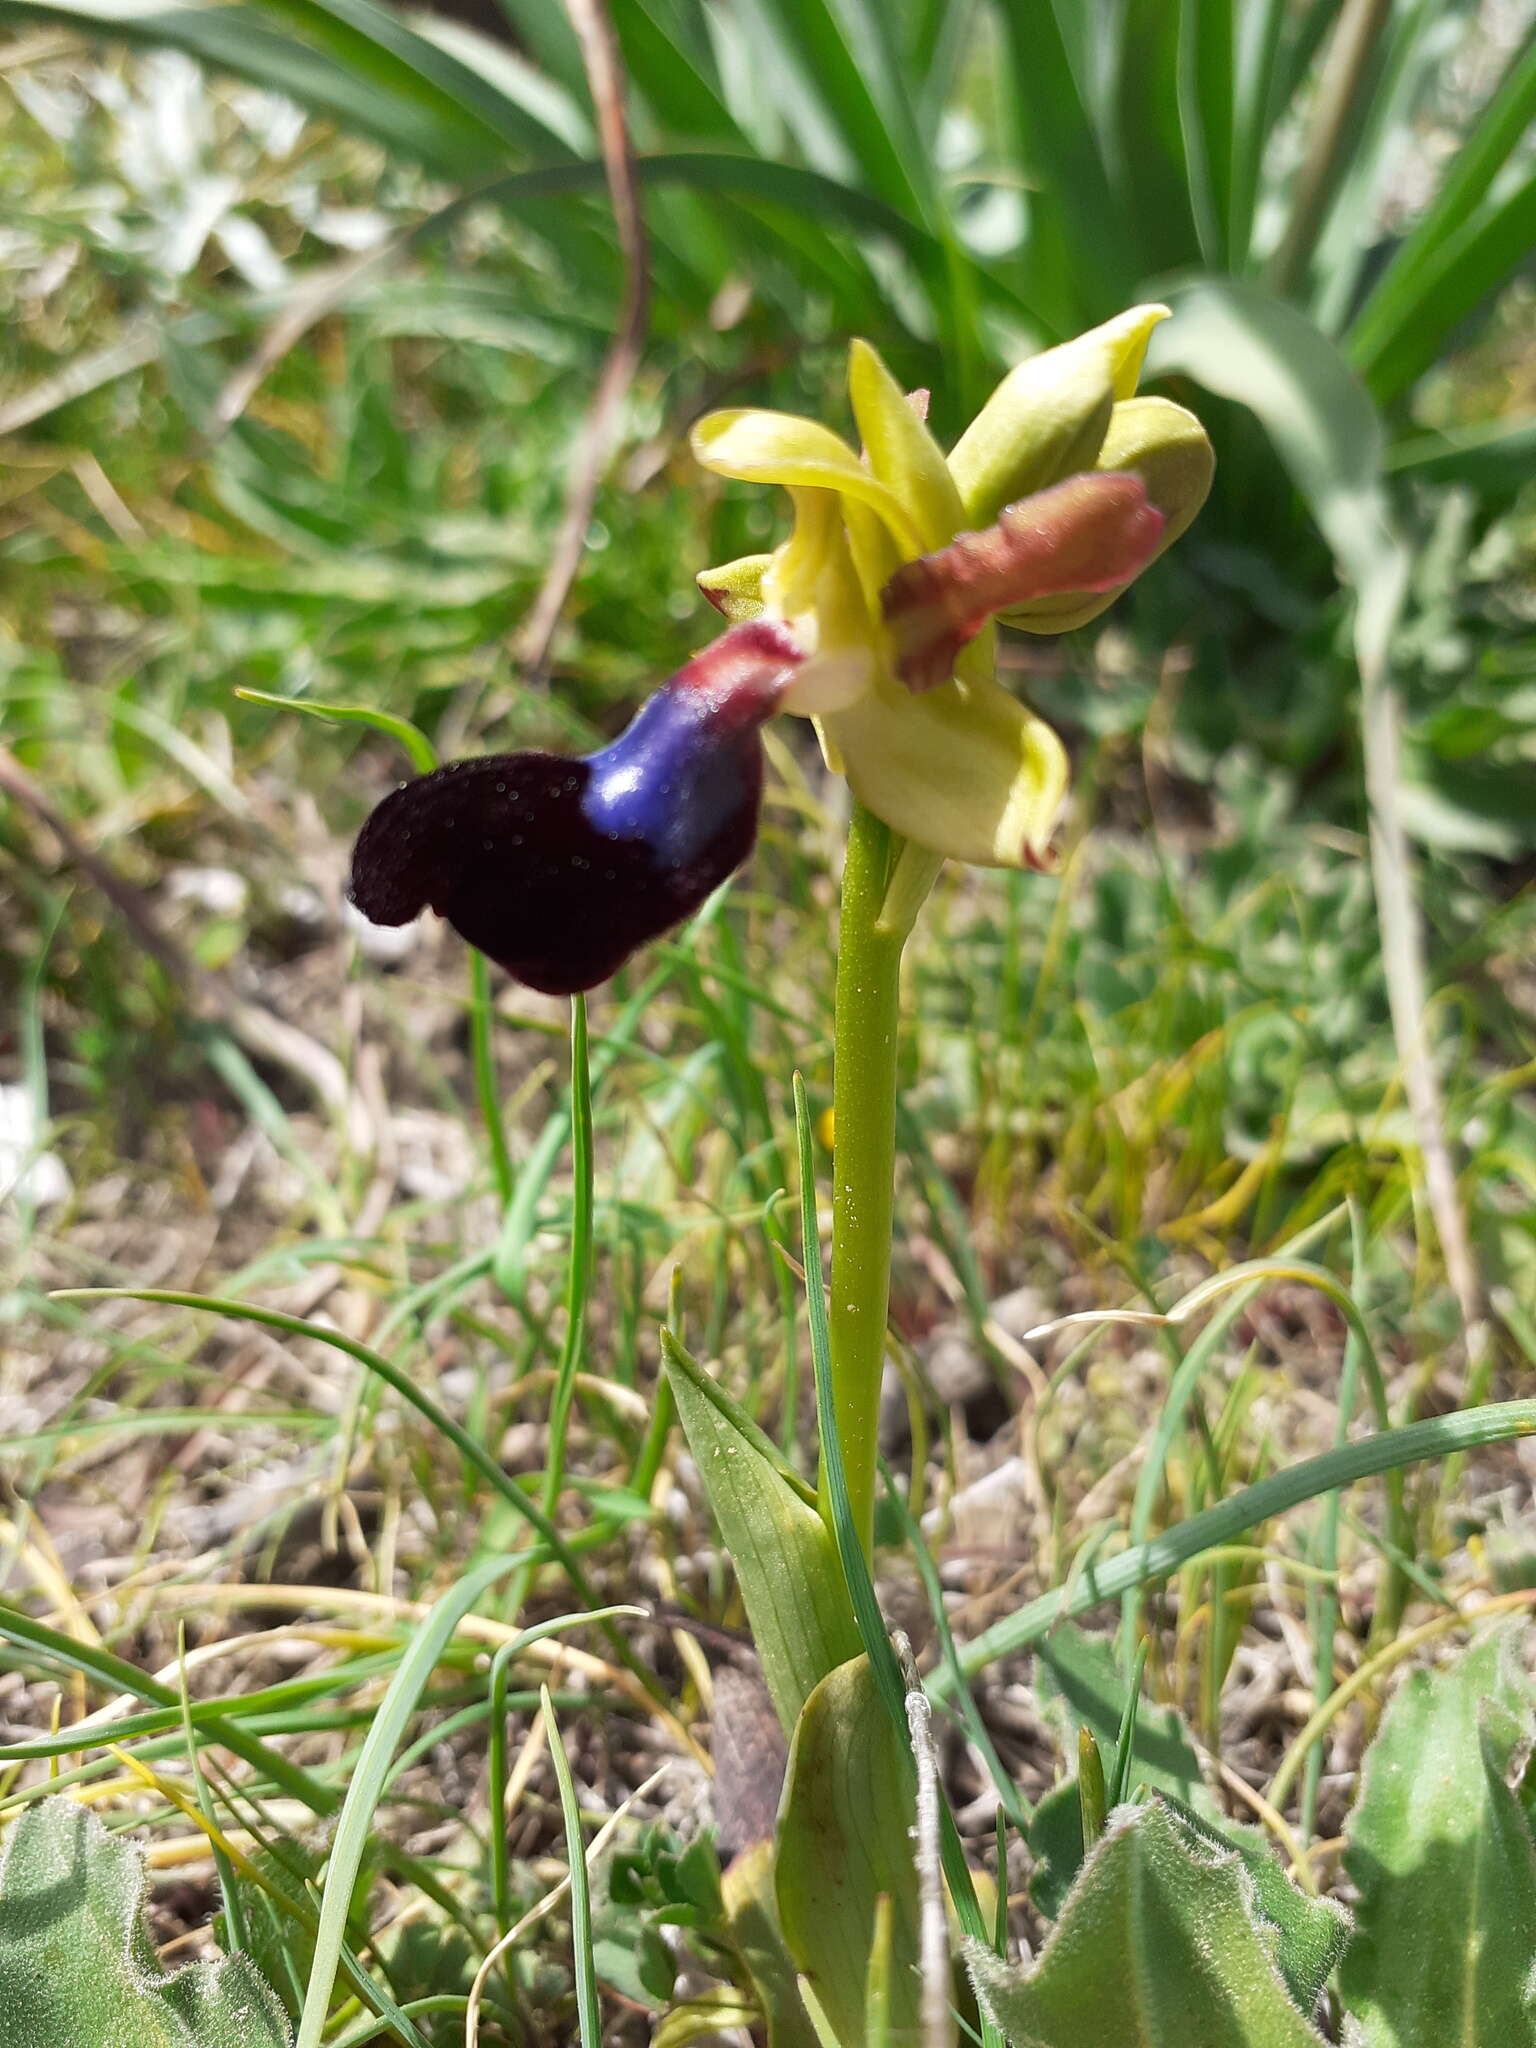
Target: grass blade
{"x": 372, "y": 1770}
{"x": 474, "y": 1453}
{"x": 113, "y": 1675}
{"x": 415, "y": 100}
{"x": 588, "y": 2013}
{"x": 1206, "y": 83}
{"x": 1456, "y": 277}
{"x": 1389, "y": 1450}
{"x": 355, "y": 1824}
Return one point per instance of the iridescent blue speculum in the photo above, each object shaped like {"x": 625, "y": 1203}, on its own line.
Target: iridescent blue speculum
{"x": 559, "y": 868}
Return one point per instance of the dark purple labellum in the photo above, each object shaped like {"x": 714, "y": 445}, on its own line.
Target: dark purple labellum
{"x": 557, "y": 869}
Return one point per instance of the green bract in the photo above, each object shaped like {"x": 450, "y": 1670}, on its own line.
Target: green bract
{"x": 1057, "y": 495}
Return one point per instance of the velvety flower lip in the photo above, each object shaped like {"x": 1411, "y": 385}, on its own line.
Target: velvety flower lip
{"x": 558, "y": 868}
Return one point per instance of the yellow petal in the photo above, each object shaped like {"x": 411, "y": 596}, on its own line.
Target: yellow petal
{"x": 782, "y": 448}
{"x": 1169, "y": 450}
{"x": 736, "y": 588}
{"x": 900, "y": 449}
{"x": 812, "y": 583}
{"x": 794, "y": 569}
{"x": 1047, "y": 419}
{"x": 876, "y": 554}
{"x": 966, "y": 770}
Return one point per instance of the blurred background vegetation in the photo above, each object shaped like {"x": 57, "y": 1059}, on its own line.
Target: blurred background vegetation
{"x": 303, "y": 306}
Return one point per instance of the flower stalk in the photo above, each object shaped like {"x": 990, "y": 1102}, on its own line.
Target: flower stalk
{"x": 866, "y": 1017}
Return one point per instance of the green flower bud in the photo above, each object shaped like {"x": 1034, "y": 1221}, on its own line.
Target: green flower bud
{"x": 1048, "y": 418}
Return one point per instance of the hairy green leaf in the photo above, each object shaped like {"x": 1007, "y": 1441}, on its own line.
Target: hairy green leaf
{"x": 1312, "y": 1932}
{"x": 1443, "y": 1857}
{"x": 1159, "y": 1946}
{"x": 76, "y": 1966}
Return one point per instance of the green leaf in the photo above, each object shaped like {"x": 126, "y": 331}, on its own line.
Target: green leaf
{"x": 1496, "y": 457}
{"x": 1056, "y": 1844}
{"x": 115, "y": 1675}
{"x": 758, "y": 1941}
{"x": 1157, "y": 166}
{"x": 629, "y": 1951}
{"x": 1246, "y": 344}
{"x": 1080, "y": 1685}
{"x": 786, "y": 1560}
{"x": 76, "y": 1966}
{"x": 1077, "y": 249}
{"x": 1312, "y": 1932}
{"x": 418, "y": 748}
{"x": 1443, "y": 1858}
{"x": 1463, "y": 271}
{"x": 280, "y": 1937}
{"x": 1464, "y": 244}
{"x": 1159, "y": 1945}
{"x": 1387, "y": 1450}
{"x": 371, "y": 72}
{"x": 1258, "y": 28}
{"x": 843, "y": 1843}
{"x": 842, "y": 70}
{"x": 588, "y": 2009}
{"x": 1206, "y": 82}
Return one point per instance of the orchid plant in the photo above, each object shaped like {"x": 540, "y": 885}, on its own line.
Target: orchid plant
{"x": 876, "y": 618}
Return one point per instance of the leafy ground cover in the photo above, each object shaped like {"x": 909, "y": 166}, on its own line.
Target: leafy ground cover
{"x": 1176, "y": 1055}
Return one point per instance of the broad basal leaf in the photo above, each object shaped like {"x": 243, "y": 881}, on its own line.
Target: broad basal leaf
{"x": 843, "y": 1842}
{"x": 1441, "y": 1850}
{"x": 758, "y": 1940}
{"x": 76, "y": 1966}
{"x": 1159, "y": 1946}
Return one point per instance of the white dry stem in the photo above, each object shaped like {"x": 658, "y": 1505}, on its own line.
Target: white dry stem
{"x": 933, "y": 1927}
{"x": 1403, "y": 962}
{"x": 595, "y": 1848}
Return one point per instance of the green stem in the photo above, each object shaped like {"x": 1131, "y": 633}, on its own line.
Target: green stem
{"x": 482, "y": 1026}
{"x": 579, "y": 1267}
{"x": 864, "y": 1155}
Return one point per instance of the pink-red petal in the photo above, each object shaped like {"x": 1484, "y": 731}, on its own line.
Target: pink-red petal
{"x": 1093, "y": 532}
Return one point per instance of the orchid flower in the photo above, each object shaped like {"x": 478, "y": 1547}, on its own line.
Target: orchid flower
{"x": 874, "y": 618}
